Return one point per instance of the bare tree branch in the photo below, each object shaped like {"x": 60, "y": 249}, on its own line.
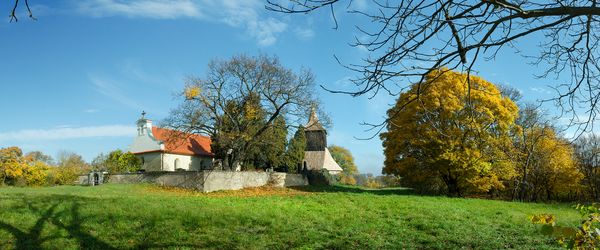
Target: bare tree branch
{"x": 409, "y": 39}
{"x": 13, "y": 13}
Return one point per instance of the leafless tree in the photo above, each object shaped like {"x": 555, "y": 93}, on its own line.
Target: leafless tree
{"x": 239, "y": 100}
{"x": 587, "y": 149}
{"x": 13, "y": 13}
{"x": 409, "y": 39}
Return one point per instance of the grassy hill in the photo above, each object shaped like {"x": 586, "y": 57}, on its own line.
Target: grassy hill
{"x": 144, "y": 216}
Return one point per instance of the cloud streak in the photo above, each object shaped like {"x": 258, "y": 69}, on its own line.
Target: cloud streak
{"x": 156, "y": 9}
{"x": 244, "y": 14}
{"x": 111, "y": 90}
{"x": 63, "y": 133}
{"x": 540, "y": 90}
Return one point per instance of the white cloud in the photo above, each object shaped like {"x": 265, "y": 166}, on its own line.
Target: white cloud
{"x": 111, "y": 90}
{"x": 91, "y": 111}
{"x": 245, "y": 14}
{"x": 265, "y": 30}
{"x": 540, "y": 90}
{"x": 304, "y": 33}
{"x": 62, "y": 133}
{"x": 157, "y": 9}
{"x": 360, "y": 5}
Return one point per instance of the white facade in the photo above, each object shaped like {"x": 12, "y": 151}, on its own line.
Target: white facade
{"x": 160, "y": 161}
{"x": 151, "y": 151}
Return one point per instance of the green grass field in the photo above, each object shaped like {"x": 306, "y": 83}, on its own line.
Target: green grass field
{"x": 145, "y": 216}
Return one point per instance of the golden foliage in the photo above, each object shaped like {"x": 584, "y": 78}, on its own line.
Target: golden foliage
{"x": 36, "y": 174}
{"x": 546, "y": 165}
{"x": 543, "y": 219}
{"x": 191, "y": 92}
{"x": 16, "y": 169}
{"x": 62, "y": 175}
{"x": 452, "y": 128}
{"x": 372, "y": 183}
{"x": 584, "y": 236}
{"x": 347, "y": 179}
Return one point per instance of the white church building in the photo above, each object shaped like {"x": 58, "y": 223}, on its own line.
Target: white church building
{"x": 162, "y": 149}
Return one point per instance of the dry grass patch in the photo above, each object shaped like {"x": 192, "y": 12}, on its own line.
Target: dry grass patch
{"x": 242, "y": 193}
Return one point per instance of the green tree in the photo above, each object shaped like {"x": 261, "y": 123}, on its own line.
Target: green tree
{"x": 344, "y": 158}
{"x": 451, "y": 138}
{"x": 272, "y": 145}
{"x": 69, "y": 166}
{"x": 117, "y": 161}
{"x": 295, "y": 151}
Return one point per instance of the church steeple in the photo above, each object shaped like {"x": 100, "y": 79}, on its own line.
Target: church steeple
{"x": 313, "y": 122}
{"x": 316, "y": 135}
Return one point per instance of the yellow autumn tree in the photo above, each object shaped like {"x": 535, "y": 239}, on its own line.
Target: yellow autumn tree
{"x": 15, "y": 169}
{"x": 546, "y": 166}
{"x": 36, "y": 173}
{"x": 344, "y": 158}
{"x": 450, "y": 134}
{"x": 12, "y": 166}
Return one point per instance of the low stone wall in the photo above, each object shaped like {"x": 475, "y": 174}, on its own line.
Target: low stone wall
{"x": 209, "y": 181}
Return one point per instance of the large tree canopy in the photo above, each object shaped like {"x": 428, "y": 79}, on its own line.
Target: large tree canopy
{"x": 244, "y": 103}
{"x": 409, "y": 39}
{"x": 451, "y": 140}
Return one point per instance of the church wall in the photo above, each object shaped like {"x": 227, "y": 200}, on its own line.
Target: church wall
{"x": 186, "y": 162}
{"x": 209, "y": 181}
{"x": 151, "y": 161}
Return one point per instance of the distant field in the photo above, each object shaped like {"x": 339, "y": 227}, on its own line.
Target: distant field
{"x": 144, "y": 216}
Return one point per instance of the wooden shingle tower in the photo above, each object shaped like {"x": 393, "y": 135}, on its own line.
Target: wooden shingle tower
{"x": 316, "y": 155}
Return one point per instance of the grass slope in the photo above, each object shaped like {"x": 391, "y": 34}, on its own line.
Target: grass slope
{"x": 144, "y": 216}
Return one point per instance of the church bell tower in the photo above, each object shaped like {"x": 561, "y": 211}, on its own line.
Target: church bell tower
{"x": 316, "y": 135}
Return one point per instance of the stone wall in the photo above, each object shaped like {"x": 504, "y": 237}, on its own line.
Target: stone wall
{"x": 209, "y": 181}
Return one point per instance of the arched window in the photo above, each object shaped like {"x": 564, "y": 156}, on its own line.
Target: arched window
{"x": 176, "y": 164}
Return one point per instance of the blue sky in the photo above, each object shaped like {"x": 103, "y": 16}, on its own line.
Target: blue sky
{"x": 78, "y": 77}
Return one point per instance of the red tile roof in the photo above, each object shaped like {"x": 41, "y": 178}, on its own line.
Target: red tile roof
{"x": 177, "y": 142}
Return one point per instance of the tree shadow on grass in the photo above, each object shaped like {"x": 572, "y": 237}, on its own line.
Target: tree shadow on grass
{"x": 48, "y": 208}
{"x": 354, "y": 190}
{"x": 57, "y": 214}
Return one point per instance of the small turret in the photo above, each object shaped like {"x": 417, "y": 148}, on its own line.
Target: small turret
{"x": 144, "y": 126}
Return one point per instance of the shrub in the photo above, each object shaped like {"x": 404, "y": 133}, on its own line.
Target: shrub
{"x": 36, "y": 174}
{"x": 585, "y": 236}
{"x": 347, "y": 179}
{"x": 63, "y": 175}
{"x": 372, "y": 183}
